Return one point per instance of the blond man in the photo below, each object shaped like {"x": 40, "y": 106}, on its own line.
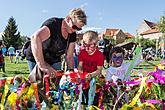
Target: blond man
{"x": 56, "y": 37}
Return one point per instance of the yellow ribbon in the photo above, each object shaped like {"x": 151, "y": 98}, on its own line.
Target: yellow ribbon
{"x": 54, "y": 107}
{"x": 134, "y": 100}
{"x": 91, "y": 107}
{"x": 6, "y": 89}
{"x": 12, "y": 98}
{"x": 30, "y": 93}
{"x": 150, "y": 105}
{"x": 161, "y": 67}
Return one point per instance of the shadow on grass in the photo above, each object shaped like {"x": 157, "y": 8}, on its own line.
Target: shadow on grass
{"x": 16, "y": 72}
{"x": 13, "y": 73}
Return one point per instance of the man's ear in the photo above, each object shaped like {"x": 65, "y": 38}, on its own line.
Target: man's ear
{"x": 68, "y": 21}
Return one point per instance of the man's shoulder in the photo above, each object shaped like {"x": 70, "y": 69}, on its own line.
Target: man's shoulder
{"x": 52, "y": 20}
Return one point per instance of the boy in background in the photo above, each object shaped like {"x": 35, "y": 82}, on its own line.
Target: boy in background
{"x": 90, "y": 61}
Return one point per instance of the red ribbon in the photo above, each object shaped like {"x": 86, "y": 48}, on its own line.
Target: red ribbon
{"x": 46, "y": 79}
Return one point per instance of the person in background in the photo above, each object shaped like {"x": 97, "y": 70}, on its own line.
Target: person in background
{"x": 104, "y": 46}
{"x": 4, "y": 50}
{"x": 76, "y": 53}
{"x": 24, "y": 48}
{"x": 91, "y": 61}
{"x": 17, "y": 56}
{"x": 101, "y": 43}
{"x": 11, "y": 51}
{"x": 56, "y": 37}
{"x": 2, "y": 60}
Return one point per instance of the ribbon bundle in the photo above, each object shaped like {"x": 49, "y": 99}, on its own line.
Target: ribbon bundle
{"x": 18, "y": 93}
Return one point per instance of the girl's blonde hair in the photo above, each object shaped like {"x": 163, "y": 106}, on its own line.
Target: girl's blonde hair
{"x": 78, "y": 15}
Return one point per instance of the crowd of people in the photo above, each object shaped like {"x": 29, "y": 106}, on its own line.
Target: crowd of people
{"x": 15, "y": 55}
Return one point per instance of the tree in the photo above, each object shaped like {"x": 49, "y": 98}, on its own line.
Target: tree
{"x": 161, "y": 25}
{"x": 146, "y": 43}
{"x": 11, "y": 36}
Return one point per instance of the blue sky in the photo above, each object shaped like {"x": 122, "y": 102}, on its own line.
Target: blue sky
{"x": 122, "y": 14}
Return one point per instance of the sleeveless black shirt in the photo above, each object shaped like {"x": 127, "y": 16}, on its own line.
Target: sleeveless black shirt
{"x": 55, "y": 45}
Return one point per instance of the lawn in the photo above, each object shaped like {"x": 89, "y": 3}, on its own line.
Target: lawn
{"x": 22, "y": 67}
{"x": 12, "y": 69}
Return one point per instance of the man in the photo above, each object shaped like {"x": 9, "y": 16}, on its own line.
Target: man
{"x": 56, "y": 37}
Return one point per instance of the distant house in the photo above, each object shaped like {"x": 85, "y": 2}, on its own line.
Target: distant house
{"x": 147, "y": 30}
{"x": 116, "y": 36}
{"x": 129, "y": 36}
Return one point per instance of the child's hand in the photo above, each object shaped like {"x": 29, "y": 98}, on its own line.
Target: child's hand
{"x": 80, "y": 71}
{"x": 88, "y": 76}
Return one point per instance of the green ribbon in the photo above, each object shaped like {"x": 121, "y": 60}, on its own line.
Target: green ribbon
{"x": 137, "y": 51}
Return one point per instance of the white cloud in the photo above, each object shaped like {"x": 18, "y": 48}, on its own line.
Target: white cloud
{"x": 44, "y": 11}
{"x": 92, "y": 28}
{"x": 84, "y": 5}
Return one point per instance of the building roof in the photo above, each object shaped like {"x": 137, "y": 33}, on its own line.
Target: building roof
{"x": 129, "y": 35}
{"x": 150, "y": 31}
{"x": 150, "y": 24}
{"x": 127, "y": 45}
{"x": 111, "y": 32}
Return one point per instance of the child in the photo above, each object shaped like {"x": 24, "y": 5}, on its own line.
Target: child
{"x": 17, "y": 56}
{"x": 90, "y": 61}
{"x": 118, "y": 69}
{"x": 2, "y": 61}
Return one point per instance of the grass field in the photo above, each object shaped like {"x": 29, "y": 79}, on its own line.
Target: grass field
{"x": 12, "y": 69}
{"x": 22, "y": 67}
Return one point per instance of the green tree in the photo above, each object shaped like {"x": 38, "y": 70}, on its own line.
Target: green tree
{"x": 161, "y": 25}
{"x": 146, "y": 43}
{"x": 11, "y": 36}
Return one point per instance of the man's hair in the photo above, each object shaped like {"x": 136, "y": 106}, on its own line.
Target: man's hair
{"x": 90, "y": 35}
{"x": 116, "y": 50}
{"x": 78, "y": 15}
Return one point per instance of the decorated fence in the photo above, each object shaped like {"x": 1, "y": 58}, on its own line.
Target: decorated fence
{"x": 147, "y": 91}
